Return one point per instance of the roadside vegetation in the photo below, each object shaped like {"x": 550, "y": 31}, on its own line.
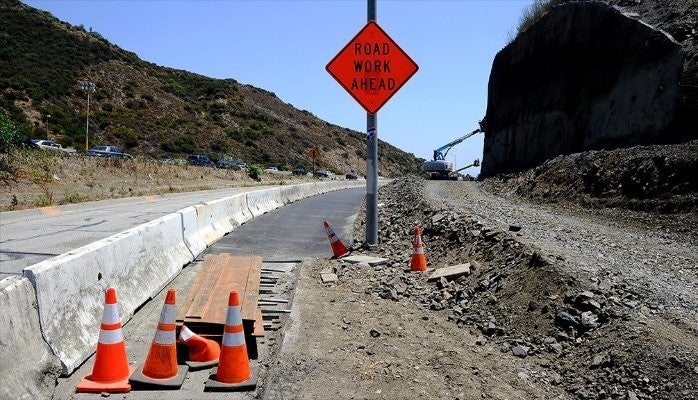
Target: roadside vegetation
{"x": 152, "y": 111}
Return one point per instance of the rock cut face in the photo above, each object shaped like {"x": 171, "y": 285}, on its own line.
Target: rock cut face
{"x": 585, "y": 76}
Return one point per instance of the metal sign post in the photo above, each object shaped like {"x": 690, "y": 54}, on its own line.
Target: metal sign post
{"x": 371, "y": 159}
{"x": 372, "y": 68}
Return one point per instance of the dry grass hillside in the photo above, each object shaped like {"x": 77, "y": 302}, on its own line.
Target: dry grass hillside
{"x": 153, "y": 111}
{"x": 44, "y": 179}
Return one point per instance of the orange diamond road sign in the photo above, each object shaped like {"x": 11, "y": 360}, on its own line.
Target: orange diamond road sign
{"x": 372, "y": 67}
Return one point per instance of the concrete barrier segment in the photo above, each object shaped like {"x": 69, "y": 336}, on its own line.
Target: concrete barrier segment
{"x": 138, "y": 263}
{"x": 28, "y": 369}
{"x": 262, "y": 201}
{"x": 291, "y": 193}
{"x": 219, "y": 217}
{"x": 190, "y": 233}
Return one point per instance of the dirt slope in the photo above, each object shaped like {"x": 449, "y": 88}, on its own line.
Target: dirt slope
{"x": 559, "y": 304}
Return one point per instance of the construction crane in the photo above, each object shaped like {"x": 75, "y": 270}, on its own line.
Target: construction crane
{"x": 439, "y": 168}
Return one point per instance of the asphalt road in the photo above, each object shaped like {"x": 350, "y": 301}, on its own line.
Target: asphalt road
{"x": 30, "y": 236}
{"x": 281, "y": 237}
{"x": 295, "y": 232}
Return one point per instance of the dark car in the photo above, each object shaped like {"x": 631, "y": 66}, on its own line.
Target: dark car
{"x": 352, "y": 175}
{"x": 198, "y": 159}
{"x": 298, "y": 171}
{"x": 226, "y": 164}
{"x": 108, "y": 152}
{"x": 323, "y": 173}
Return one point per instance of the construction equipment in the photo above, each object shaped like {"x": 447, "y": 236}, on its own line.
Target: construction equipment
{"x": 439, "y": 168}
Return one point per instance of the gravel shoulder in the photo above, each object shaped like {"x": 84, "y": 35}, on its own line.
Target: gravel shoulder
{"x": 632, "y": 250}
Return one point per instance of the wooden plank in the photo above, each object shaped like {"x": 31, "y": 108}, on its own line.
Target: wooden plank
{"x": 206, "y": 306}
{"x": 208, "y": 265}
{"x": 258, "y": 324}
{"x": 249, "y": 306}
{"x": 208, "y": 278}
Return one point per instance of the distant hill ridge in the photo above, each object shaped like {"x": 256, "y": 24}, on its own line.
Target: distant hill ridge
{"x": 155, "y": 111}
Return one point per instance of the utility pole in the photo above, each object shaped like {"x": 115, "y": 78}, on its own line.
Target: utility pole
{"x": 88, "y": 87}
{"x": 48, "y": 116}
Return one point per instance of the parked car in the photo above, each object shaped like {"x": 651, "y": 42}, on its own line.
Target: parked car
{"x": 323, "y": 173}
{"x": 240, "y": 167}
{"x": 352, "y": 175}
{"x": 108, "y": 152}
{"x": 271, "y": 170}
{"x": 226, "y": 164}
{"x": 46, "y": 144}
{"x": 298, "y": 171}
{"x": 198, "y": 159}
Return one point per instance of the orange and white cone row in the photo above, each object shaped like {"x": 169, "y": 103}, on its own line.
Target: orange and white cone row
{"x": 338, "y": 248}
{"x": 233, "y": 372}
{"x": 419, "y": 261}
{"x": 160, "y": 368}
{"x": 111, "y": 371}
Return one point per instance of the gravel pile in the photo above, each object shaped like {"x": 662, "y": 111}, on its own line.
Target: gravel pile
{"x": 598, "y": 336}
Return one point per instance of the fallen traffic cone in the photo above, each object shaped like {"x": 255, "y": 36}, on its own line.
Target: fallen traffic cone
{"x": 203, "y": 353}
{"x": 419, "y": 262}
{"x": 111, "y": 370}
{"x": 233, "y": 372}
{"x": 338, "y": 248}
{"x": 160, "y": 369}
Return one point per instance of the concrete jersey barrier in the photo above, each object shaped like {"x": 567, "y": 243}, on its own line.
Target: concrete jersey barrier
{"x": 70, "y": 288}
{"x": 28, "y": 368}
{"x": 217, "y": 218}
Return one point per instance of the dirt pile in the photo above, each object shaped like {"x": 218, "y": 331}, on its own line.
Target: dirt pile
{"x": 594, "y": 336}
{"x": 643, "y": 178}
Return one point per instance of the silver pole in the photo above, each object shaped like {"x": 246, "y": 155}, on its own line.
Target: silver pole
{"x": 87, "y": 124}
{"x": 88, "y": 87}
{"x": 371, "y": 161}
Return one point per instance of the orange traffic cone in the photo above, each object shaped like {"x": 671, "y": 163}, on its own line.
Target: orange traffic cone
{"x": 338, "y": 247}
{"x": 111, "y": 370}
{"x": 419, "y": 262}
{"x": 160, "y": 369}
{"x": 203, "y": 353}
{"x": 233, "y": 372}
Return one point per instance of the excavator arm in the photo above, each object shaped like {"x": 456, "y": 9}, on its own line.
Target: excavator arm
{"x": 441, "y": 152}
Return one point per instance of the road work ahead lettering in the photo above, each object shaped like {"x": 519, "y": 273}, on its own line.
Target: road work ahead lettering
{"x": 372, "y": 67}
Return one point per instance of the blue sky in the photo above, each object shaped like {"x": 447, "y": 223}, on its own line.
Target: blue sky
{"x": 283, "y": 46}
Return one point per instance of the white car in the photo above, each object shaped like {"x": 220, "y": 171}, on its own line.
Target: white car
{"x": 47, "y": 144}
{"x": 271, "y": 170}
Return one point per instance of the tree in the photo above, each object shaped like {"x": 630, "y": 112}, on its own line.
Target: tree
{"x": 10, "y": 133}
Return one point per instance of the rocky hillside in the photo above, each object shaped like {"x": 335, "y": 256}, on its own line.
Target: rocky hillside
{"x": 155, "y": 111}
{"x": 592, "y": 75}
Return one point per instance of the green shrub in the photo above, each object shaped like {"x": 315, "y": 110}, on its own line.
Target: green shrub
{"x": 534, "y": 12}
{"x": 10, "y": 134}
{"x": 128, "y": 136}
{"x": 73, "y": 198}
{"x": 44, "y": 199}
{"x": 254, "y": 171}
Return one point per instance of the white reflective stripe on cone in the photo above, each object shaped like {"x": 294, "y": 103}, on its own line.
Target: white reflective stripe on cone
{"x": 334, "y": 239}
{"x": 418, "y": 250}
{"x": 186, "y": 333}
{"x": 233, "y": 318}
{"x": 164, "y": 337}
{"x": 110, "y": 336}
{"x": 168, "y": 314}
{"x": 111, "y": 314}
{"x": 233, "y": 339}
